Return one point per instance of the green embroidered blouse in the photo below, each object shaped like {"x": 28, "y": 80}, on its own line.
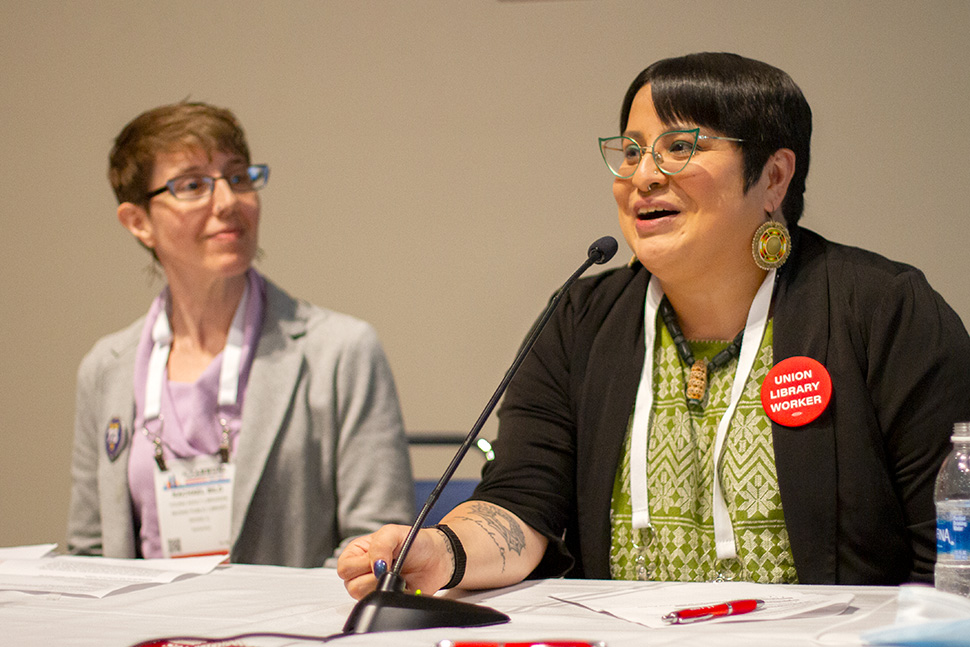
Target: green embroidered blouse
{"x": 680, "y": 544}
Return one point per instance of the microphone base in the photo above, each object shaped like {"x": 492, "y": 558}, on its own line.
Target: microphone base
{"x": 398, "y": 611}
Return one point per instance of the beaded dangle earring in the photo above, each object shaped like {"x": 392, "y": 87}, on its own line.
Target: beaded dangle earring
{"x": 771, "y": 245}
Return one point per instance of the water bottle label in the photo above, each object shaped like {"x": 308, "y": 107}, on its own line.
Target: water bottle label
{"x": 953, "y": 536}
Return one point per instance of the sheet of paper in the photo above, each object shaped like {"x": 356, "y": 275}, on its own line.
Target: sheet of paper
{"x": 648, "y": 604}
{"x": 96, "y": 576}
{"x": 26, "y": 552}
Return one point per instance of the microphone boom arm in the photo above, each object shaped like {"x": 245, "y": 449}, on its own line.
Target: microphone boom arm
{"x": 389, "y": 607}
{"x": 392, "y": 580}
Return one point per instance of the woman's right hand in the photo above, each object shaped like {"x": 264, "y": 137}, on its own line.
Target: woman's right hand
{"x": 428, "y": 567}
{"x": 500, "y": 550}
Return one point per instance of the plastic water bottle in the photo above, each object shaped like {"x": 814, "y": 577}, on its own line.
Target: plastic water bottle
{"x": 952, "y": 498}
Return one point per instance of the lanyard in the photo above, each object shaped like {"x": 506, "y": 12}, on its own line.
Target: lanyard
{"x": 754, "y": 330}
{"x": 228, "y": 373}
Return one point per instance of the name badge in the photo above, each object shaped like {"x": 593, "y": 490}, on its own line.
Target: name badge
{"x": 194, "y": 501}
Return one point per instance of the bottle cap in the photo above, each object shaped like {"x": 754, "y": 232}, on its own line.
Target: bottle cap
{"x": 961, "y": 431}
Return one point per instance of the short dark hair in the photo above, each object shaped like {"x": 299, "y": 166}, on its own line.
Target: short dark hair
{"x": 169, "y": 128}
{"x": 736, "y": 97}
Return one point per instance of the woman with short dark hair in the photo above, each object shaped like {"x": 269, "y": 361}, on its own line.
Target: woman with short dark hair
{"x": 744, "y": 401}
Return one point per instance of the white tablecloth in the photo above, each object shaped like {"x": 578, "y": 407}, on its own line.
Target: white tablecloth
{"x": 238, "y": 599}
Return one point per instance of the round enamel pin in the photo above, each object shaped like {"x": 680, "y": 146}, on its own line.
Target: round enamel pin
{"x": 796, "y": 391}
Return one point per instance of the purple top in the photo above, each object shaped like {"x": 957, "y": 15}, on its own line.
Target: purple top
{"x": 190, "y": 412}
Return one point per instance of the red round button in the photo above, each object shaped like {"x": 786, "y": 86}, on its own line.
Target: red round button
{"x": 796, "y": 391}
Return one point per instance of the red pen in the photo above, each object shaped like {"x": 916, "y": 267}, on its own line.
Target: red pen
{"x": 696, "y": 614}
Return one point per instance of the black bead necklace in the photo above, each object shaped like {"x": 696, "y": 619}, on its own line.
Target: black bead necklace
{"x": 696, "y": 388}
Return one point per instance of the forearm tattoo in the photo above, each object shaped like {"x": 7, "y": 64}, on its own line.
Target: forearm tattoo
{"x": 504, "y": 530}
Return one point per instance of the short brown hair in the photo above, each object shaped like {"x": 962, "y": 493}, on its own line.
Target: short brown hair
{"x": 166, "y": 129}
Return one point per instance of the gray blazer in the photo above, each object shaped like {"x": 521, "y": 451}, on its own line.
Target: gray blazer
{"x": 321, "y": 455}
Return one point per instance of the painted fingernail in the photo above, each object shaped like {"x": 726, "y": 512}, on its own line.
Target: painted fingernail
{"x": 380, "y": 567}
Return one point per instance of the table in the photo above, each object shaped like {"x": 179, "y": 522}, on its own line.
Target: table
{"x": 243, "y": 598}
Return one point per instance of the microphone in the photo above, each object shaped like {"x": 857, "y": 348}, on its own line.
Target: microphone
{"x": 602, "y": 250}
{"x": 389, "y": 608}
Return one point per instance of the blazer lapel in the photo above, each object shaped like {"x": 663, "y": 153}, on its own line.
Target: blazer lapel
{"x": 117, "y": 525}
{"x": 273, "y": 378}
{"x": 613, "y": 376}
{"x": 807, "y": 455}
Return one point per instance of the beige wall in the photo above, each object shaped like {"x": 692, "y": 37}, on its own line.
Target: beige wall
{"x": 434, "y": 168}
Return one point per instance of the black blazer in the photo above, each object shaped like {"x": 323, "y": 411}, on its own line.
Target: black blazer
{"x": 856, "y": 484}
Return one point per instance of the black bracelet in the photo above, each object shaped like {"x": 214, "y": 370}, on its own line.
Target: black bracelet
{"x": 459, "y": 552}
